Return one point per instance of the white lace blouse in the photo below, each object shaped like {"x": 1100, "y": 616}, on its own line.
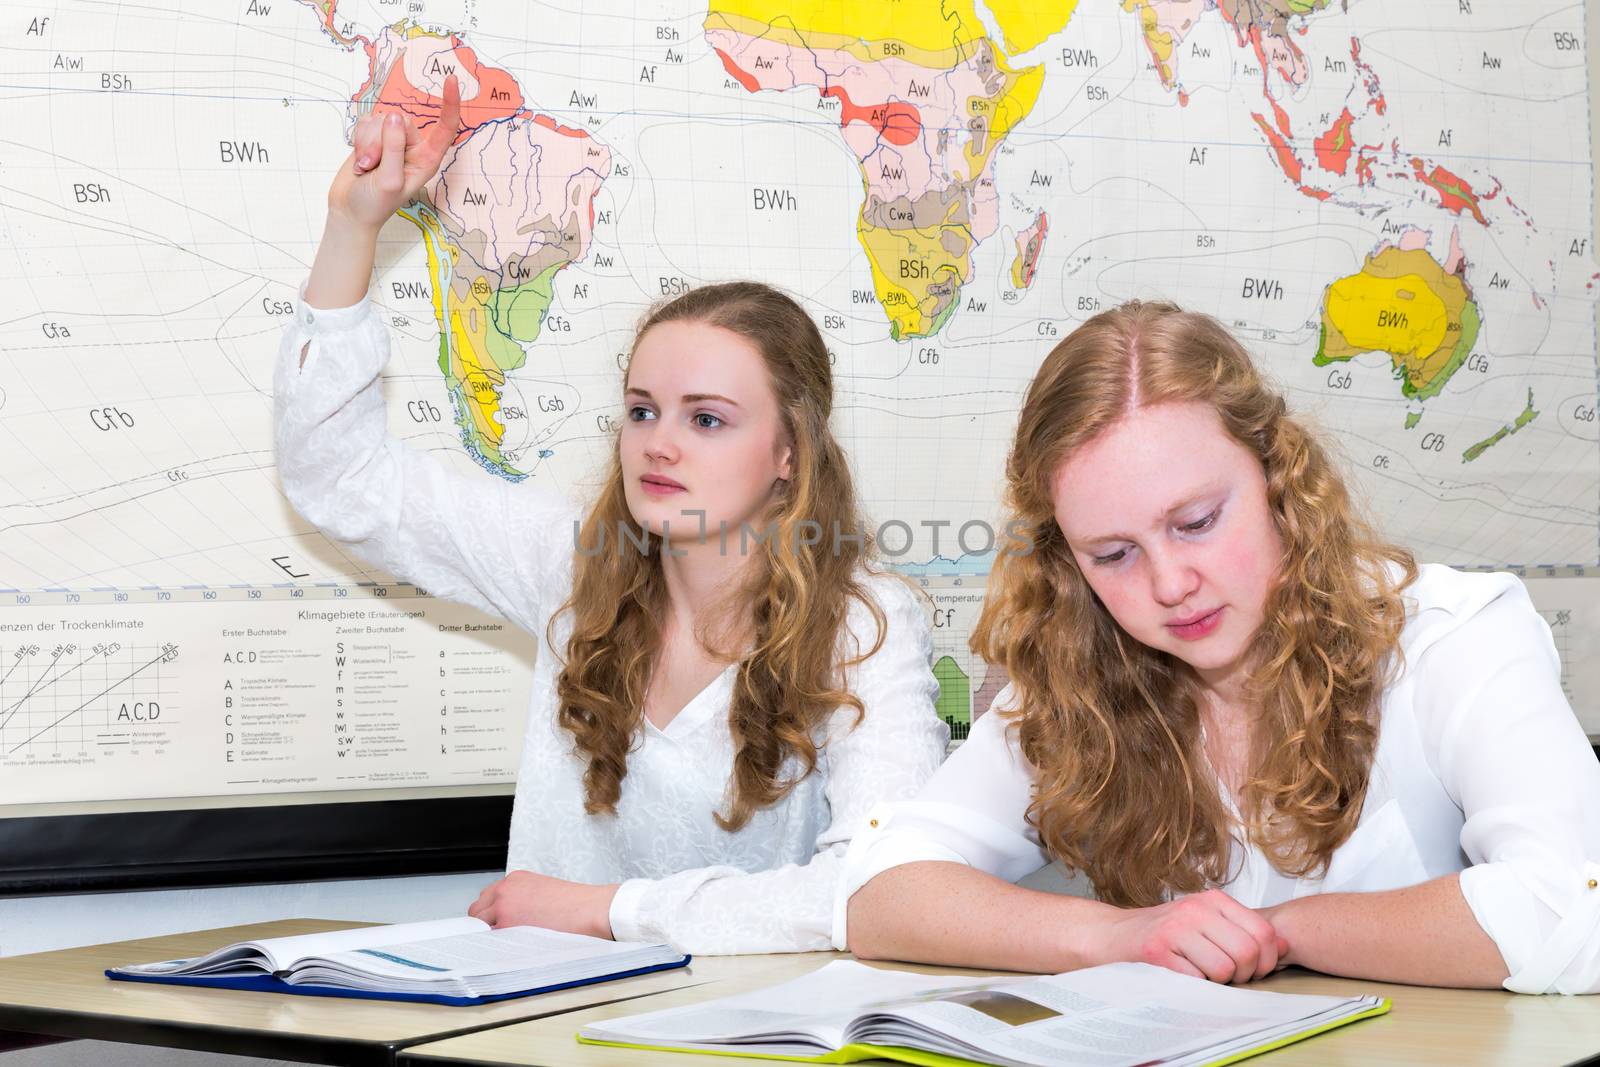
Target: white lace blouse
{"x": 508, "y": 549}
{"x": 1481, "y": 768}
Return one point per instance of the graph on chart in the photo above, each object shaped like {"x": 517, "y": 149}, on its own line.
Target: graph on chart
{"x": 66, "y": 701}
{"x": 283, "y": 690}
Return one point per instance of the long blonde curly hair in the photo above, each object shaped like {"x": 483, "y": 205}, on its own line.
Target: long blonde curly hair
{"x": 796, "y": 597}
{"x": 1124, "y": 792}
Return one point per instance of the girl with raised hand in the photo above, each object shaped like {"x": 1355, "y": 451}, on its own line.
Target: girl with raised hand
{"x": 1264, "y": 733}
{"x": 712, "y": 715}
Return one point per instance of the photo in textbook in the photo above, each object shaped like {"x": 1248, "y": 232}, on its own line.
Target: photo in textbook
{"x": 1115, "y": 1015}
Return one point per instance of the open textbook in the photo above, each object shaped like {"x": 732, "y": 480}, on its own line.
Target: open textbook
{"x": 1120, "y": 1013}
{"x": 452, "y": 961}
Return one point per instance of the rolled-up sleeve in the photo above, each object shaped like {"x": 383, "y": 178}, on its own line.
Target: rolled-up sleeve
{"x": 1508, "y": 749}
{"x": 973, "y": 812}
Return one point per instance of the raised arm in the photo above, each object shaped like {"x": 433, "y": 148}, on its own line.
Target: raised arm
{"x": 503, "y": 548}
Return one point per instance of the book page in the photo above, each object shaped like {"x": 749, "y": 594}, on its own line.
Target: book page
{"x": 1115, "y": 1014}
{"x": 276, "y": 954}
{"x": 818, "y": 1007}
{"x": 1120, "y": 1013}
{"x": 285, "y": 952}
{"x": 478, "y": 952}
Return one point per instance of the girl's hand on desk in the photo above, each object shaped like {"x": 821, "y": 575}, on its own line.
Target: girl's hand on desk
{"x": 1205, "y": 935}
{"x": 523, "y": 898}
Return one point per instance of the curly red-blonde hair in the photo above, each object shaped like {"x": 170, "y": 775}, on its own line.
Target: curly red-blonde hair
{"x": 1124, "y": 792}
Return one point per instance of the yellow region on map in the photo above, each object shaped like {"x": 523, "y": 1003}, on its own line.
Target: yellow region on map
{"x": 1404, "y": 303}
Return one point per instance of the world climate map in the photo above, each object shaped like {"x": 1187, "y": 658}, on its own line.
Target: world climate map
{"x": 1389, "y": 201}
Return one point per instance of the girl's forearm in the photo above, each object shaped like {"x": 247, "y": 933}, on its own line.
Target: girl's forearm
{"x": 933, "y": 912}
{"x": 343, "y": 268}
{"x": 1423, "y": 935}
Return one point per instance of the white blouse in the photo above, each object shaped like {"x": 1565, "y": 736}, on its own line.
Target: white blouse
{"x": 1481, "y": 767}
{"x": 508, "y": 549}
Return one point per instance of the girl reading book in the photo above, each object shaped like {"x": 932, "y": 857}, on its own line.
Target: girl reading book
{"x": 1263, "y": 732}
{"x": 713, "y": 712}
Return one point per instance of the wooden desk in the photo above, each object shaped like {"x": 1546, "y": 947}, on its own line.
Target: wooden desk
{"x": 1445, "y": 1027}
{"x": 66, "y": 994}
{"x": 1425, "y": 1026}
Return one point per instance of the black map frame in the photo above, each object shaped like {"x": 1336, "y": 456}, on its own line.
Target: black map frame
{"x": 195, "y": 847}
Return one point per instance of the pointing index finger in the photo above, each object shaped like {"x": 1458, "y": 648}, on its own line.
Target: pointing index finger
{"x": 448, "y": 124}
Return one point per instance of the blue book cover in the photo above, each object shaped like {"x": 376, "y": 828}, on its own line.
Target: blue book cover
{"x": 444, "y": 961}
{"x": 266, "y": 983}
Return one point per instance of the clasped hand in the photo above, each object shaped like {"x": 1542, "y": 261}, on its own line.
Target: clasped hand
{"x": 1207, "y": 935}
